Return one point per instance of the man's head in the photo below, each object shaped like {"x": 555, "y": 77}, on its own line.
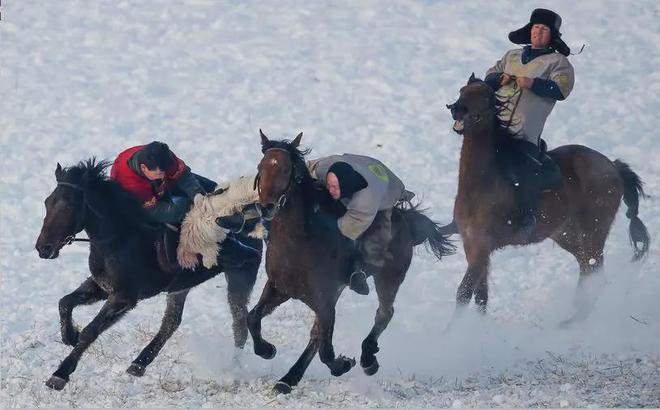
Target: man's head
{"x": 155, "y": 160}
{"x": 342, "y": 180}
{"x": 542, "y": 31}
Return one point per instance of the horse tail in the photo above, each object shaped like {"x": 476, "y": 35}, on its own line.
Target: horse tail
{"x": 424, "y": 230}
{"x": 632, "y": 191}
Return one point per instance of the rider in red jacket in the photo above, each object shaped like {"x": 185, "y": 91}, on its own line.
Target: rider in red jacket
{"x": 161, "y": 181}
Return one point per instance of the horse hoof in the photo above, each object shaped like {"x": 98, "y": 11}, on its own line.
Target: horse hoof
{"x": 268, "y": 352}
{"x": 282, "y": 387}
{"x": 136, "y": 370}
{"x": 56, "y": 382}
{"x": 371, "y": 369}
{"x": 344, "y": 364}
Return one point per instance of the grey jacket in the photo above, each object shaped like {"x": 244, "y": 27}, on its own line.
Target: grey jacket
{"x": 383, "y": 191}
{"x": 532, "y": 110}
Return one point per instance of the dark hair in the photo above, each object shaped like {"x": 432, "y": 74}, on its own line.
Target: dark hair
{"x": 157, "y": 155}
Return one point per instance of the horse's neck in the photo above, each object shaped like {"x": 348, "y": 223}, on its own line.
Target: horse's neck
{"x": 477, "y": 164}
{"x": 290, "y": 220}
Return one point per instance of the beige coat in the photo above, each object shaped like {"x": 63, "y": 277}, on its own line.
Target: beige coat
{"x": 532, "y": 110}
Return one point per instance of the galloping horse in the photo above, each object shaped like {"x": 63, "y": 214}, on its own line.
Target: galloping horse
{"x": 308, "y": 259}
{"x": 577, "y": 216}
{"x": 123, "y": 264}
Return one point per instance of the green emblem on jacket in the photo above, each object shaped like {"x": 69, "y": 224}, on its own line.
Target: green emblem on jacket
{"x": 379, "y": 171}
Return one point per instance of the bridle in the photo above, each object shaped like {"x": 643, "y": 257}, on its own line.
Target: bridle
{"x": 80, "y": 224}
{"x": 488, "y": 110}
{"x": 296, "y": 177}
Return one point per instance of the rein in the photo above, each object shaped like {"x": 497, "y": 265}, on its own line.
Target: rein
{"x": 81, "y": 221}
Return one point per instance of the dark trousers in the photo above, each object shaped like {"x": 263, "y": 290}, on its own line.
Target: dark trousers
{"x": 373, "y": 244}
{"x": 530, "y": 171}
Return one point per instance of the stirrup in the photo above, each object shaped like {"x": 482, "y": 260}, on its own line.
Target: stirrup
{"x": 358, "y": 282}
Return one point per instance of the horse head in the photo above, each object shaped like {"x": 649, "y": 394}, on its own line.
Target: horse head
{"x": 281, "y": 168}
{"x": 476, "y": 108}
{"x": 66, "y": 207}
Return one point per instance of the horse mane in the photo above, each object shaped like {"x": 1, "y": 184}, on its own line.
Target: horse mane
{"x": 106, "y": 195}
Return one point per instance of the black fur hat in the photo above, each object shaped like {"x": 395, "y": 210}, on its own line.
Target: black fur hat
{"x": 350, "y": 181}
{"x": 548, "y": 18}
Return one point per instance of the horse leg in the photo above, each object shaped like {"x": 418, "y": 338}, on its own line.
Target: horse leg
{"x": 112, "y": 310}
{"x": 476, "y": 276}
{"x": 239, "y": 288}
{"x": 481, "y": 292}
{"x": 171, "y": 321}
{"x": 587, "y": 248}
{"x": 269, "y": 300}
{"x": 386, "y": 288}
{"x": 87, "y": 293}
{"x": 326, "y": 318}
{"x": 293, "y": 376}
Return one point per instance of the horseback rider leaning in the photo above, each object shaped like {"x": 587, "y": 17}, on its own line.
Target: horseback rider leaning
{"x": 369, "y": 190}
{"x": 160, "y": 180}
{"x": 531, "y": 79}
{"x": 165, "y": 186}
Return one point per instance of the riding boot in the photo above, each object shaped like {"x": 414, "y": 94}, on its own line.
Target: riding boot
{"x": 527, "y": 198}
{"x": 357, "y": 281}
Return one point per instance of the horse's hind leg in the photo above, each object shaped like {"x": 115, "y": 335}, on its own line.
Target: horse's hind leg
{"x": 239, "y": 288}
{"x": 269, "y": 300}
{"x": 87, "y": 293}
{"x": 113, "y": 309}
{"x": 326, "y": 325}
{"x": 171, "y": 321}
{"x": 587, "y": 248}
{"x": 387, "y": 286}
{"x": 293, "y": 376}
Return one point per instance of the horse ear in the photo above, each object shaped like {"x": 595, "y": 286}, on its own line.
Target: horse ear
{"x": 296, "y": 141}
{"x": 58, "y": 171}
{"x": 264, "y": 138}
{"x": 472, "y": 78}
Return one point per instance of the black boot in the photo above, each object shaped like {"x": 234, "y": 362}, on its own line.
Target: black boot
{"x": 527, "y": 197}
{"x": 358, "y": 282}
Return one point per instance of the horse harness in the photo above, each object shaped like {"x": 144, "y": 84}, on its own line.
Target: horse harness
{"x": 296, "y": 177}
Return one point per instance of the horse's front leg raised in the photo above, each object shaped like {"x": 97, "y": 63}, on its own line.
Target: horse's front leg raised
{"x": 269, "y": 300}
{"x": 87, "y": 293}
{"x": 337, "y": 365}
{"x": 113, "y": 309}
{"x": 171, "y": 321}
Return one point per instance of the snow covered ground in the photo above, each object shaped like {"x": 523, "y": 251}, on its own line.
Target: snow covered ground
{"x": 81, "y": 79}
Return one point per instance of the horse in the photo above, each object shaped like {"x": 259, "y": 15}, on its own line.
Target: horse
{"x": 577, "y": 215}
{"x": 123, "y": 264}
{"x": 308, "y": 259}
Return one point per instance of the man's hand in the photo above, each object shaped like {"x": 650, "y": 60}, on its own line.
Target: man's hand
{"x": 506, "y": 79}
{"x": 524, "y": 82}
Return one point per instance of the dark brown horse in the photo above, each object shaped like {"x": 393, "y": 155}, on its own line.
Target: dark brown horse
{"x": 123, "y": 265}
{"x": 308, "y": 259}
{"x": 577, "y": 215}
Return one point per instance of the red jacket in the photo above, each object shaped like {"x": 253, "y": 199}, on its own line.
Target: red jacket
{"x": 139, "y": 185}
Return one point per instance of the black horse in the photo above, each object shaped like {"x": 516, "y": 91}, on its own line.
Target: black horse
{"x": 124, "y": 265}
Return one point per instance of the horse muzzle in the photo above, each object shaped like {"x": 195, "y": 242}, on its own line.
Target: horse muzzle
{"x": 267, "y": 212}
{"x": 47, "y": 250}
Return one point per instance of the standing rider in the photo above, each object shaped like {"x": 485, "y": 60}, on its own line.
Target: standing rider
{"x": 531, "y": 79}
